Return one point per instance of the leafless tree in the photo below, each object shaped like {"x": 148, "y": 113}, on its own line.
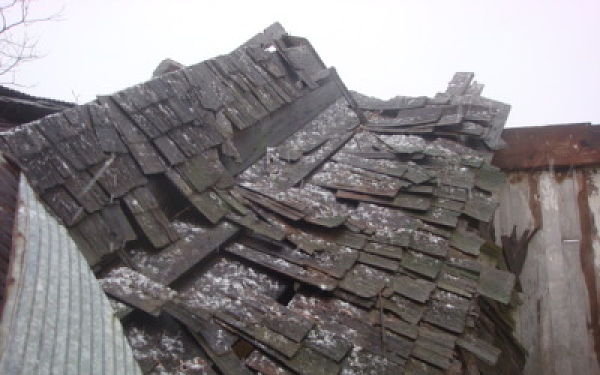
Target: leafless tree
{"x": 16, "y": 45}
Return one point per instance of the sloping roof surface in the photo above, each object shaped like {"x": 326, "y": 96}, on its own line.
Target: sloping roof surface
{"x": 276, "y": 223}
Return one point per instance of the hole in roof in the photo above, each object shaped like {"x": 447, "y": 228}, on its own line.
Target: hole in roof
{"x": 242, "y": 348}
{"x": 271, "y": 49}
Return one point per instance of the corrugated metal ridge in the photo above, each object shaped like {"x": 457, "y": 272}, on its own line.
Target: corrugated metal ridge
{"x": 9, "y": 183}
{"x": 57, "y": 319}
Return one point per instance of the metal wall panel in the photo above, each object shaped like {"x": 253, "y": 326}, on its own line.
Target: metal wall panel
{"x": 57, "y": 320}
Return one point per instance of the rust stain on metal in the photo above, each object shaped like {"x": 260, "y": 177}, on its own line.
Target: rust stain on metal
{"x": 588, "y": 229}
{"x": 533, "y": 180}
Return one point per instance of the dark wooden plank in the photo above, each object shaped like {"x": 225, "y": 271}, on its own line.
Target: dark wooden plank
{"x": 421, "y": 264}
{"x": 416, "y": 289}
{"x": 64, "y": 205}
{"x": 147, "y": 158}
{"x": 202, "y": 171}
{"x": 252, "y": 142}
{"x": 448, "y": 311}
{"x": 136, "y": 290}
{"x": 563, "y": 146}
{"x": 328, "y": 343}
{"x": 308, "y": 276}
{"x": 264, "y": 365}
{"x": 178, "y": 258}
{"x": 121, "y": 176}
{"x": 496, "y": 284}
{"x": 364, "y": 281}
{"x": 340, "y": 176}
{"x": 210, "y": 205}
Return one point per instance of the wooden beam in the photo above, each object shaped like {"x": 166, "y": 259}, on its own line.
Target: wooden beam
{"x": 552, "y": 146}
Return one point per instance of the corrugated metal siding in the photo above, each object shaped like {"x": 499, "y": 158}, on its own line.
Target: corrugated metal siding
{"x": 57, "y": 320}
{"x": 558, "y": 320}
{"x": 9, "y": 183}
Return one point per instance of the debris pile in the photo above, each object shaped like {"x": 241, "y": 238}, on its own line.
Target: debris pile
{"x": 274, "y": 222}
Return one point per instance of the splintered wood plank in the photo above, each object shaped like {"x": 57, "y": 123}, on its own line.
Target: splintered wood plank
{"x": 333, "y": 259}
{"x": 340, "y": 176}
{"x": 169, "y": 264}
{"x": 306, "y": 165}
{"x": 282, "y": 266}
{"x": 395, "y": 103}
{"x": 136, "y": 290}
{"x": 409, "y": 117}
{"x": 252, "y": 222}
{"x": 376, "y": 218}
{"x": 272, "y": 204}
{"x": 393, "y": 168}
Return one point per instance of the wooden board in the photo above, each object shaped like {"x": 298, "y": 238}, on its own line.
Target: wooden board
{"x": 563, "y": 146}
{"x": 555, "y": 321}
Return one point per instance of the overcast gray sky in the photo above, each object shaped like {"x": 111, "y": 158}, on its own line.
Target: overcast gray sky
{"x": 542, "y": 57}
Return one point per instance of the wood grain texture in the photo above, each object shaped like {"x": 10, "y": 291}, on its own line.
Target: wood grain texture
{"x": 546, "y": 146}
{"x": 555, "y": 321}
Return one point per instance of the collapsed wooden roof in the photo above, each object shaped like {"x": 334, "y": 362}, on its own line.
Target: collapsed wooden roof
{"x": 259, "y": 217}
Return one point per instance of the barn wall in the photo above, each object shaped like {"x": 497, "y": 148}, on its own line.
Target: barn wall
{"x": 561, "y": 269}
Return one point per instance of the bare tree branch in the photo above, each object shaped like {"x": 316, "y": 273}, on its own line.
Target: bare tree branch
{"x": 16, "y": 46}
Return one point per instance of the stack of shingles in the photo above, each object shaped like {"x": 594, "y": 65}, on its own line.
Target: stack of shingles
{"x": 375, "y": 225}
{"x": 458, "y": 111}
{"x": 380, "y": 232}
{"x": 94, "y": 164}
{"x": 398, "y": 253}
